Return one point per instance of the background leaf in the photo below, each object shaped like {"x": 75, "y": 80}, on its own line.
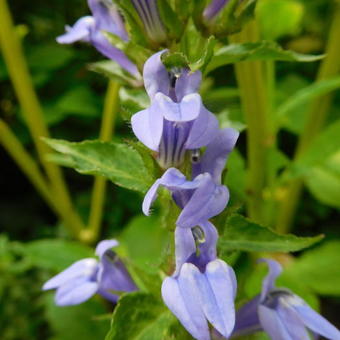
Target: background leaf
{"x": 242, "y": 234}
{"x": 264, "y": 50}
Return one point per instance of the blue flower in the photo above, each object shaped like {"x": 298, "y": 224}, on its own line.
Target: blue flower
{"x": 212, "y": 10}
{"x": 203, "y": 287}
{"x": 176, "y": 121}
{"x": 203, "y": 197}
{"x": 281, "y": 313}
{"x": 90, "y": 29}
{"x": 148, "y": 12}
{"x": 86, "y": 277}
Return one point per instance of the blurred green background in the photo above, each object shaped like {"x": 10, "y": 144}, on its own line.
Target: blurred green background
{"x": 72, "y": 98}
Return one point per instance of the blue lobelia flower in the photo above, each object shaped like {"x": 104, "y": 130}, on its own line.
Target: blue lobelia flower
{"x": 86, "y": 277}
{"x": 281, "y": 313}
{"x": 176, "y": 121}
{"x": 203, "y": 197}
{"x": 148, "y": 12}
{"x": 203, "y": 287}
{"x": 90, "y": 29}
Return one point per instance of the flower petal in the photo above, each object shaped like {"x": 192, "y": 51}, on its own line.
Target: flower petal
{"x": 75, "y": 292}
{"x": 316, "y": 322}
{"x": 141, "y": 127}
{"x": 99, "y": 41}
{"x": 107, "y": 17}
{"x": 79, "y": 32}
{"x": 217, "y": 152}
{"x": 83, "y": 268}
{"x": 186, "y": 110}
{"x": 294, "y": 325}
{"x": 185, "y": 246}
{"x": 173, "y": 180}
{"x": 213, "y": 9}
{"x": 218, "y": 297}
{"x": 247, "y": 320}
{"x": 268, "y": 283}
{"x": 272, "y": 324}
{"x": 203, "y": 130}
{"x": 105, "y": 245}
{"x": 155, "y": 75}
{"x": 180, "y": 298}
{"x": 188, "y": 82}
{"x": 207, "y": 201}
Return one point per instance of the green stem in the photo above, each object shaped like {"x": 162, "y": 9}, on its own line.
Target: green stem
{"x": 250, "y": 78}
{"x": 22, "y": 83}
{"x": 25, "y": 162}
{"x": 98, "y": 194}
{"x": 316, "y": 118}
{"x": 29, "y": 167}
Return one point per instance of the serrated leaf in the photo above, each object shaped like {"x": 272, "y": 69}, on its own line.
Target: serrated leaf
{"x": 118, "y": 162}
{"x": 264, "y": 50}
{"x": 140, "y": 316}
{"x": 176, "y": 59}
{"x": 242, "y": 234}
{"x": 56, "y": 254}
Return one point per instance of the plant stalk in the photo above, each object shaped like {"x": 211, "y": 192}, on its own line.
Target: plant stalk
{"x": 106, "y": 132}
{"x": 32, "y": 111}
{"x": 252, "y": 85}
{"x": 316, "y": 117}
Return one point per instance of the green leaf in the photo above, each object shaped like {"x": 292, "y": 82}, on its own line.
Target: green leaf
{"x": 287, "y": 18}
{"x": 176, "y": 59}
{"x": 304, "y": 96}
{"x": 111, "y": 69}
{"x": 118, "y": 162}
{"x": 170, "y": 19}
{"x": 206, "y": 54}
{"x": 56, "y": 254}
{"x": 242, "y": 234}
{"x": 319, "y": 268}
{"x": 140, "y": 316}
{"x": 324, "y": 181}
{"x": 148, "y": 253}
{"x": 264, "y": 50}
{"x": 76, "y": 322}
{"x": 324, "y": 146}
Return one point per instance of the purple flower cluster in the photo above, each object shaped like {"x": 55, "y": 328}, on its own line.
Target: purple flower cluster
{"x": 202, "y": 288}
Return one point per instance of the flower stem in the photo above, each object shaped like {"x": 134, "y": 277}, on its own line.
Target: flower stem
{"x": 22, "y": 83}
{"x": 98, "y": 194}
{"x": 250, "y": 78}
{"x": 316, "y": 118}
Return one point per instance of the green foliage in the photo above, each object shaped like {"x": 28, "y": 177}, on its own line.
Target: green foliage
{"x": 55, "y": 254}
{"x": 278, "y": 18}
{"x": 319, "y": 268}
{"x": 119, "y": 163}
{"x": 242, "y": 234}
{"x": 140, "y": 316}
{"x": 76, "y": 322}
{"x": 264, "y": 50}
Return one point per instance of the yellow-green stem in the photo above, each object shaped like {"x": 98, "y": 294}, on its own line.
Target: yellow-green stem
{"x": 22, "y": 83}
{"x": 250, "y": 78}
{"x": 316, "y": 117}
{"x": 98, "y": 194}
